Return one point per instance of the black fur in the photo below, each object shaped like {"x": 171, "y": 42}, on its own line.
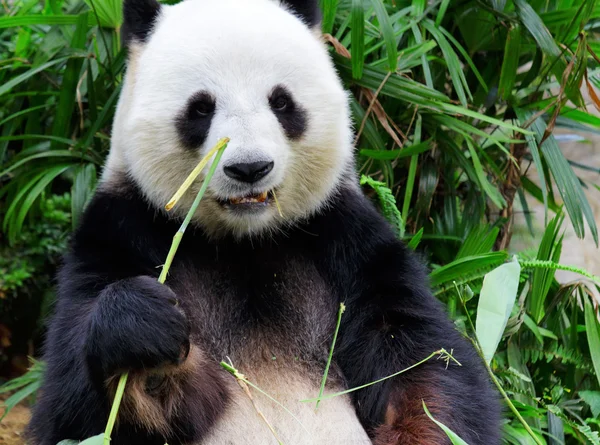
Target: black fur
{"x": 139, "y": 17}
{"x": 234, "y": 289}
{"x": 307, "y": 10}
{"x": 193, "y": 123}
{"x": 291, "y": 116}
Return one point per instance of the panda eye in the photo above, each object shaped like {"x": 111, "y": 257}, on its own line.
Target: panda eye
{"x": 203, "y": 106}
{"x": 280, "y": 100}
{"x": 280, "y": 103}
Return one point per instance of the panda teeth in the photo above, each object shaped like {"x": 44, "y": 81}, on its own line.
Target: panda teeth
{"x": 250, "y": 199}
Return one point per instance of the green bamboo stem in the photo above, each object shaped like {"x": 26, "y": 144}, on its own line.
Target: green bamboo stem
{"x": 222, "y": 144}
{"x": 112, "y": 418}
{"x": 327, "y": 366}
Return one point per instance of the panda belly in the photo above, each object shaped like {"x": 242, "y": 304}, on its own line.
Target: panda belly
{"x": 335, "y": 421}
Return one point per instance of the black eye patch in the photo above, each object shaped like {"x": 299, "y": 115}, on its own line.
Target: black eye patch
{"x": 290, "y": 115}
{"x": 193, "y": 123}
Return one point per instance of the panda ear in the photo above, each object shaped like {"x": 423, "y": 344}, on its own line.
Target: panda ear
{"x": 139, "y": 17}
{"x": 307, "y": 10}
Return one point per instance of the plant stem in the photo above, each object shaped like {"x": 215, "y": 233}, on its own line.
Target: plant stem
{"x": 541, "y": 264}
{"x": 239, "y": 376}
{"x": 221, "y": 145}
{"x": 512, "y": 407}
{"x": 441, "y": 352}
{"x": 115, "y": 408}
{"x": 335, "y": 334}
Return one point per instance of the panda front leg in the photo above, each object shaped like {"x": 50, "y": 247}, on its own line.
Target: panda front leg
{"x": 394, "y": 323}
{"x": 173, "y": 393}
{"x": 174, "y": 390}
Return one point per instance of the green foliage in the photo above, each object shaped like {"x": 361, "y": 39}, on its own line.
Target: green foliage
{"x": 452, "y": 102}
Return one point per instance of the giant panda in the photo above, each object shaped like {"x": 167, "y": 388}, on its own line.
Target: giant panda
{"x": 248, "y": 286}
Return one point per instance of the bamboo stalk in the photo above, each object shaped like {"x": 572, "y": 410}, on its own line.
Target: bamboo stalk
{"x": 218, "y": 149}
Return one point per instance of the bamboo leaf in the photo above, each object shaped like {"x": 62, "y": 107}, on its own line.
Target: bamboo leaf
{"x": 388, "y": 155}
{"x": 592, "y": 329}
{"x": 66, "y": 101}
{"x": 496, "y": 301}
{"x": 454, "y": 438}
{"x": 357, "y": 48}
{"x": 510, "y": 64}
{"x": 387, "y": 30}
{"x": 465, "y": 267}
{"x": 28, "y": 74}
{"x": 568, "y": 184}
{"x": 329, "y": 11}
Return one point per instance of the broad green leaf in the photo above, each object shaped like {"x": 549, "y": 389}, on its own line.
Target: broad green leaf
{"x": 466, "y": 58}
{"x": 389, "y": 155}
{"x": 496, "y": 301}
{"x": 454, "y": 438}
{"x": 357, "y": 48}
{"x": 510, "y": 64}
{"x": 49, "y": 175}
{"x": 592, "y": 329}
{"x": 416, "y": 239}
{"x": 452, "y": 62}
{"x": 556, "y": 429}
{"x": 82, "y": 191}
{"x": 592, "y": 398}
{"x": 465, "y": 267}
{"x": 568, "y": 184}
{"x": 412, "y": 171}
{"x": 31, "y": 20}
{"x": 94, "y": 440}
{"x": 46, "y": 154}
{"x": 492, "y": 192}
{"x": 19, "y": 396}
{"x": 110, "y": 12}
{"x": 28, "y": 74}
{"x": 533, "y": 23}
{"x": 424, "y": 63}
{"x": 66, "y": 101}
{"x": 480, "y": 240}
{"x": 441, "y": 12}
{"x": 549, "y": 250}
{"x": 329, "y": 8}
{"x": 389, "y": 38}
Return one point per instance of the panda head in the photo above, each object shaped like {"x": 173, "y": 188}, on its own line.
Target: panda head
{"x": 255, "y": 71}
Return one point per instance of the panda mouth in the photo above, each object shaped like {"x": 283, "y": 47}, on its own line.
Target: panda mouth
{"x": 252, "y": 200}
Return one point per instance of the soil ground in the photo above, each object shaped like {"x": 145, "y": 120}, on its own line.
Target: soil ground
{"x": 13, "y": 424}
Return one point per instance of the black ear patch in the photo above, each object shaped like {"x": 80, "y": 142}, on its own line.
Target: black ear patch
{"x": 139, "y": 17}
{"x": 307, "y": 10}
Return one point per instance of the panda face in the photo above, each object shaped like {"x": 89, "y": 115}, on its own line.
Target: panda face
{"x": 249, "y": 70}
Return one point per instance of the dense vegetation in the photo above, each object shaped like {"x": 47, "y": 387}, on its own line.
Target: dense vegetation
{"x": 453, "y": 101}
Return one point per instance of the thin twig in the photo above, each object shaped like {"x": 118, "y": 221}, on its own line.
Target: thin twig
{"x": 326, "y": 372}
{"x": 442, "y": 353}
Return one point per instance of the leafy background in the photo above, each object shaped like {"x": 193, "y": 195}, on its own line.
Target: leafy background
{"x": 456, "y": 105}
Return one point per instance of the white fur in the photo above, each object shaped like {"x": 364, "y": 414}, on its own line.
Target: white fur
{"x": 333, "y": 423}
{"x": 238, "y": 50}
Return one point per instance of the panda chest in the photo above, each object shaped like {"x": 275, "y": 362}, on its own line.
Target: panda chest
{"x": 272, "y": 307}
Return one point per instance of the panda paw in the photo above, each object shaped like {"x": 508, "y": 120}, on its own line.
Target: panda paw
{"x": 136, "y": 324}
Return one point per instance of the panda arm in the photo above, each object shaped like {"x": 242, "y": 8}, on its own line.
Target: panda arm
{"x": 91, "y": 335}
{"x": 392, "y": 322}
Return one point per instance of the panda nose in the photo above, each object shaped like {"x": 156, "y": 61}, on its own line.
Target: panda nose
{"x": 249, "y": 172}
